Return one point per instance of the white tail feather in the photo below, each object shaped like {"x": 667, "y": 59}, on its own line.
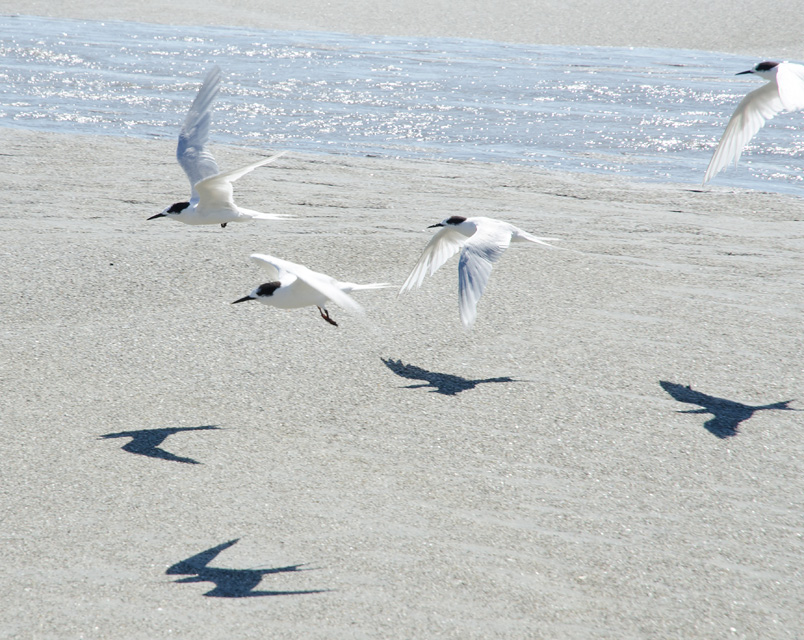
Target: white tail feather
{"x": 257, "y": 215}
{"x": 351, "y": 286}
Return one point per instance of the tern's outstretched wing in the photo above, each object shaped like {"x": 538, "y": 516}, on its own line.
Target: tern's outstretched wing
{"x": 750, "y": 116}
{"x": 442, "y": 246}
{"x": 481, "y": 251}
{"x": 193, "y": 158}
{"x": 322, "y": 283}
{"x": 275, "y": 272}
{"x": 217, "y": 190}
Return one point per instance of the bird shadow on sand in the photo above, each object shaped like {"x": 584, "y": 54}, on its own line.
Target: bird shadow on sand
{"x": 145, "y": 442}
{"x": 728, "y": 414}
{"x": 231, "y": 583}
{"x": 443, "y": 383}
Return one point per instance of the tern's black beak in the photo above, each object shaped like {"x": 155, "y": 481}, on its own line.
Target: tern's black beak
{"x": 739, "y": 73}
{"x": 158, "y": 215}
{"x": 435, "y": 225}
{"x": 244, "y": 299}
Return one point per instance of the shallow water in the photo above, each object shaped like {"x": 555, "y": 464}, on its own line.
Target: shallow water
{"x": 650, "y": 114}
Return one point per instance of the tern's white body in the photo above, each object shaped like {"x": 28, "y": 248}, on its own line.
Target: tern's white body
{"x": 784, "y": 91}
{"x": 482, "y": 241}
{"x": 293, "y": 286}
{"x": 212, "y": 197}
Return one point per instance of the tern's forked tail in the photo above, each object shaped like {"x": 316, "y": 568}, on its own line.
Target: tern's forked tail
{"x": 522, "y": 236}
{"x": 351, "y": 286}
{"x": 257, "y": 215}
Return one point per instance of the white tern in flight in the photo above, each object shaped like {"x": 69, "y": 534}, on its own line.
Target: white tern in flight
{"x": 212, "y": 197}
{"x": 293, "y": 286}
{"x": 784, "y": 91}
{"x": 483, "y": 241}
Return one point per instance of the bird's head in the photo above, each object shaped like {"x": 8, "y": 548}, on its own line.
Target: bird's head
{"x": 174, "y": 210}
{"x": 265, "y": 290}
{"x": 765, "y": 69}
{"x": 459, "y": 223}
{"x": 452, "y": 221}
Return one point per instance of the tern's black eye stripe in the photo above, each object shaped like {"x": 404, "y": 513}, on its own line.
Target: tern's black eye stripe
{"x": 766, "y": 66}
{"x": 268, "y": 288}
{"x": 178, "y": 206}
{"x": 456, "y": 220}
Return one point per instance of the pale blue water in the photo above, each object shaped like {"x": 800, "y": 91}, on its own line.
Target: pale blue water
{"x": 650, "y": 114}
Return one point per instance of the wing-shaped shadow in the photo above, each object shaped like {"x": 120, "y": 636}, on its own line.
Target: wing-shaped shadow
{"x": 444, "y": 383}
{"x": 230, "y": 583}
{"x": 145, "y": 442}
{"x": 728, "y": 414}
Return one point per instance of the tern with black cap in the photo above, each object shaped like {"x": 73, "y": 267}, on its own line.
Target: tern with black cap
{"x": 212, "y": 197}
{"x": 784, "y": 91}
{"x": 482, "y": 242}
{"x": 293, "y": 286}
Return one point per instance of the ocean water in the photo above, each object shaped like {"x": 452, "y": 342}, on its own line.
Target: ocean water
{"x": 649, "y": 114}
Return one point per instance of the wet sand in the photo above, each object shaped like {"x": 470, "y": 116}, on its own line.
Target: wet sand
{"x": 770, "y": 30}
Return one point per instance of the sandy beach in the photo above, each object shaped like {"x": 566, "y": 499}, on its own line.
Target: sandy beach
{"x": 614, "y": 451}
